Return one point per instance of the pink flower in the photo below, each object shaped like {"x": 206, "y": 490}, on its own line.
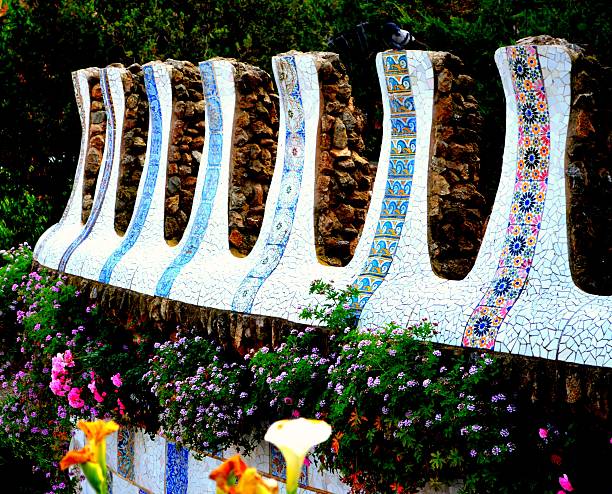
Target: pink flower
{"x": 74, "y": 398}
{"x": 68, "y": 358}
{"x": 543, "y": 433}
{"x": 92, "y": 386}
{"x": 565, "y": 483}
{"x": 98, "y": 397}
{"x": 57, "y": 388}
{"x": 116, "y": 380}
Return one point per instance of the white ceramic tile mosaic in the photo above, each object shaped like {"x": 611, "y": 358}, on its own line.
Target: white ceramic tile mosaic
{"x": 158, "y": 277}
{"x": 150, "y": 458}
{"x": 519, "y": 297}
{"x": 122, "y": 486}
{"x": 52, "y": 243}
{"x": 111, "y": 451}
{"x": 144, "y": 237}
{"x": 88, "y": 251}
{"x": 149, "y": 462}
{"x": 199, "y": 470}
{"x": 296, "y": 271}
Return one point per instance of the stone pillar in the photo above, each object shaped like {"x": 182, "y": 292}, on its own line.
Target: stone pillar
{"x": 344, "y": 177}
{"x": 456, "y": 208}
{"x": 186, "y": 143}
{"x": 135, "y": 132}
{"x": 253, "y": 155}
{"x": 97, "y": 131}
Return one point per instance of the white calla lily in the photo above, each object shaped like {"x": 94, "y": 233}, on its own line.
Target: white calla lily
{"x": 294, "y": 438}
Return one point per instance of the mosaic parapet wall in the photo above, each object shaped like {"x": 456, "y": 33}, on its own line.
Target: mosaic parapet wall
{"x": 139, "y": 464}
{"x": 518, "y": 298}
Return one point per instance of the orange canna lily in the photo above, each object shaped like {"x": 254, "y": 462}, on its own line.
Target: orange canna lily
{"x": 92, "y": 458}
{"x": 77, "y": 457}
{"x": 98, "y": 430}
{"x": 252, "y": 483}
{"x": 226, "y": 474}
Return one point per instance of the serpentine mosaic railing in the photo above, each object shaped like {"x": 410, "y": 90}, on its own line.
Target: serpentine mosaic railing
{"x": 518, "y": 298}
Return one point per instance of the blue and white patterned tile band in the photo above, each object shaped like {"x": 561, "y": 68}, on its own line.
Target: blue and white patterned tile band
{"x": 214, "y": 118}
{"x": 289, "y": 189}
{"x": 143, "y": 205}
{"x": 399, "y": 178}
{"x": 125, "y": 453}
{"x": 102, "y": 187}
{"x": 533, "y": 157}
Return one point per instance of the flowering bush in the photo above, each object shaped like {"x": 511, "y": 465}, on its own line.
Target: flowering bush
{"x": 403, "y": 410}
{"x": 65, "y": 360}
{"x": 205, "y": 394}
{"x": 391, "y": 395}
{"x": 292, "y": 378}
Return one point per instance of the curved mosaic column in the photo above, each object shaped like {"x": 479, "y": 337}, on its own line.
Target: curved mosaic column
{"x": 113, "y": 101}
{"x": 145, "y": 234}
{"x": 550, "y": 317}
{"x": 214, "y": 274}
{"x": 398, "y": 271}
{"x": 403, "y": 147}
{"x": 299, "y": 91}
{"x": 51, "y": 244}
{"x": 519, "y": 297}
{"x": 287, "y": 289}
{"x": 220, "y": 96}
{"x": 89, "y": 251}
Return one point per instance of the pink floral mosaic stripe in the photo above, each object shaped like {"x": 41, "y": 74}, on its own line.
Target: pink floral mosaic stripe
{"x": 530, "y": 186}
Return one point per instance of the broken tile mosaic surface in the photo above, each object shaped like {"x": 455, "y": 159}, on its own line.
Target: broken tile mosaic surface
{"x": 208, "y": 175}
{"x": 52, "y": 244}
{"x": 399, "y": 178}
{"x": 146, "y": 225}
{"x": 92, "y": 251}
{"x": 105, "y": 171}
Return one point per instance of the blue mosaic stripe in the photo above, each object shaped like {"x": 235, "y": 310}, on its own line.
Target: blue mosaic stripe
{"x": 399, "y": 179}
{"x": 106, "y": 173}
{"x": 291, "y": 179}
{"x": 125, "y": 453}
{"x": 211, "y": 182}
{"x": 278, "y": 467}
{"x": 531, "y": 184}
{"x": 149, "y": 185}
{"x": 177, "y": 469}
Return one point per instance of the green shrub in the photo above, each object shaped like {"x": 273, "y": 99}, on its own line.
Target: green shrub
{"x": 23, "y": 217}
